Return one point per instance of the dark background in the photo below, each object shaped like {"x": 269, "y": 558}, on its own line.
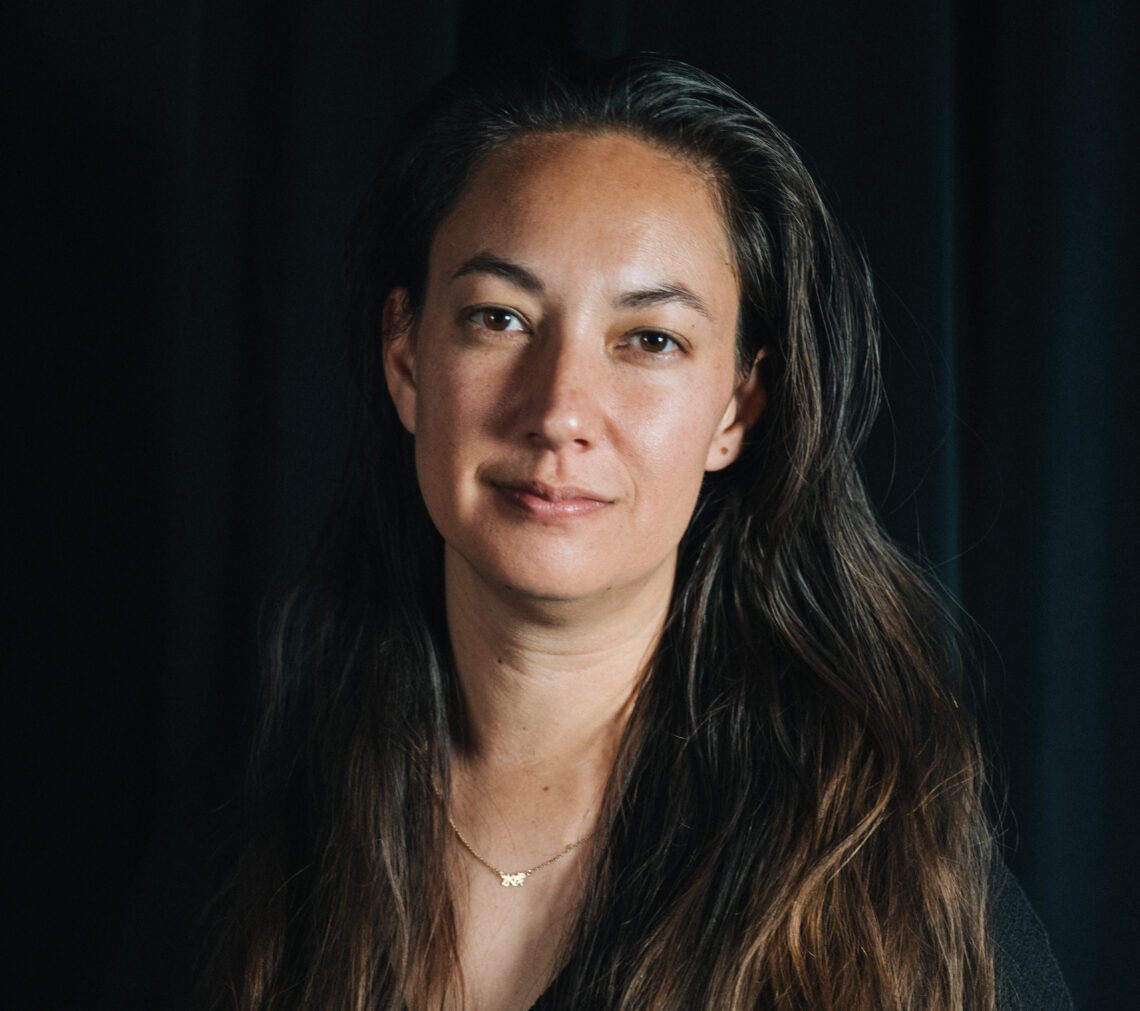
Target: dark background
{"x": 179, "y": 181}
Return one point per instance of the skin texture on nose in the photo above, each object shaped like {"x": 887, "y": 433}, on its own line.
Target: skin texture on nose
{"x": 571, "y": 374}
{"x": 559, "y": 390}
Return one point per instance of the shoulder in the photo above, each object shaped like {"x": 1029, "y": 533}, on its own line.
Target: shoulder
{"x": 1027, "y": 975}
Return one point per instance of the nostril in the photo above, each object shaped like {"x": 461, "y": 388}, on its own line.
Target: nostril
{"x": 558, "y": 435}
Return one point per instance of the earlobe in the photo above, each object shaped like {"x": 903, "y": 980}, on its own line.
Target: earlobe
{"x": 744, "y": 409}
{"x": 399, "y": 356}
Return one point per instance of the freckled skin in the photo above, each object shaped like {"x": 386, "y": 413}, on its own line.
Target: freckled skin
{"x": 573, "y": 386}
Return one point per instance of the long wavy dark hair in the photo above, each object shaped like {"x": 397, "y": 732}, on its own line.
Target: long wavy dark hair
{"x": 794, "y": 818}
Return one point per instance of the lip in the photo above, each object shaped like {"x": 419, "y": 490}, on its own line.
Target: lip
{"x": 548, "y": 502}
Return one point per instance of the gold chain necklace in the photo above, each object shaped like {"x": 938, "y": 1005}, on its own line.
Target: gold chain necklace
{"x": 513, "y": 879}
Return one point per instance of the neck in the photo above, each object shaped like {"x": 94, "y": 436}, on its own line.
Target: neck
{"x": 548, "y": 687}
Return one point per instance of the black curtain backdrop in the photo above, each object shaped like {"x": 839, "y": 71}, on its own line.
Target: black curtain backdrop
{"x": 181, "y": 177}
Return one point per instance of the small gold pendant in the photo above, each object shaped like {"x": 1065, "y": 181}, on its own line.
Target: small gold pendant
{"x": 512, "y": 880}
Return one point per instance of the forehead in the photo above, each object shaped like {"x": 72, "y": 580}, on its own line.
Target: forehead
{"x": 596, "y": 195}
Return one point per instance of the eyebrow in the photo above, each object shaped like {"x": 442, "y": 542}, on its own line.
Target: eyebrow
{"x": 489, "y": 263}
{"x": 664, "y": 293}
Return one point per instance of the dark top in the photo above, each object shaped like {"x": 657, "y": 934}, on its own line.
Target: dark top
{"x": 151, "y": 964}
{"x": 1027, "y": 975}
{"x": 1028, "y": 978}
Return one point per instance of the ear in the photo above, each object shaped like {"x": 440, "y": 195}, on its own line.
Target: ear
{"x": 746, "y": 406}
{"x": 400, "y": 356}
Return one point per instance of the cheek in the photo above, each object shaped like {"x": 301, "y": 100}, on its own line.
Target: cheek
{"x": 454, "y": 401}
{"x": 457, "y": 410}
{"x": 669, "y": 438}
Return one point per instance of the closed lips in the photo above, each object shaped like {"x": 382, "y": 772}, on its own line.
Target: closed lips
{"x": 537, "y": 489}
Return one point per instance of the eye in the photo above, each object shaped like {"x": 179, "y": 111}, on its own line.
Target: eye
{"x": 493, "y": 318}
{"x": 655, "y": 342}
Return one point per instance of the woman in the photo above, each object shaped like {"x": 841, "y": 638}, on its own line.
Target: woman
{"x": 604, "y": 687}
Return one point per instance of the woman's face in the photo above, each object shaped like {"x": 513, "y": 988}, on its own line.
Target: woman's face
{"x": 572, "y": 374}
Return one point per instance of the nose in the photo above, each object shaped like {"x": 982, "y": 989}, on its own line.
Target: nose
{"x": 563, "y": 401}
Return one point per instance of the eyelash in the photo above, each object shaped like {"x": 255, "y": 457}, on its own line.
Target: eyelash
{"x": 478, "y": 317}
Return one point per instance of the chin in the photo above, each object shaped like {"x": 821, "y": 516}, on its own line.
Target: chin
{"x": 542, "y": 574}
{"x": 583, "y": 585}
{"x": 552, "y": 589}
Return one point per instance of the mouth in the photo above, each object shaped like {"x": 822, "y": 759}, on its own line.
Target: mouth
{"x": 550, "y": 502}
